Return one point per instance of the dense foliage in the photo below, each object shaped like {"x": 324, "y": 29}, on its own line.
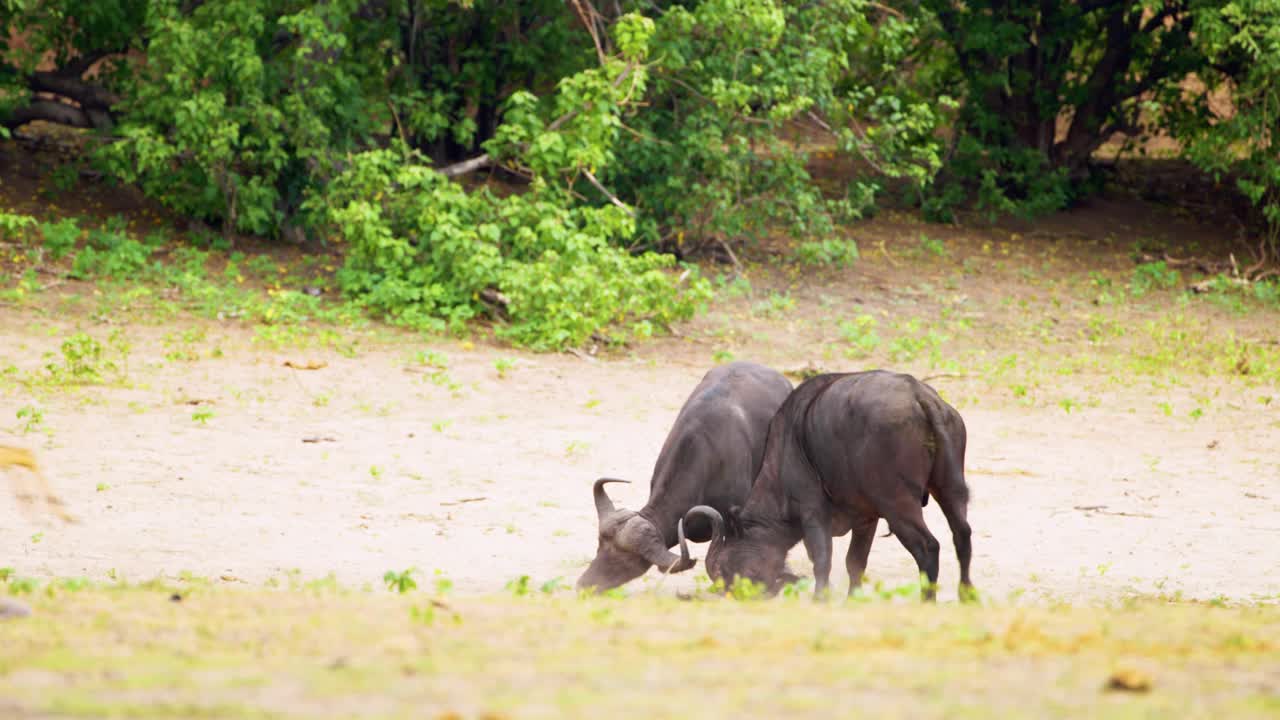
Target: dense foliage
{"x": 1242, "y": 47}
{"x": 622, "y": 127}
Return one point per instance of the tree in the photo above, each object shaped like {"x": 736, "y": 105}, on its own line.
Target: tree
{"x": 66, "y": 60}
{"x": 1046, "y": 84}
{"x": 1241, "y": 45}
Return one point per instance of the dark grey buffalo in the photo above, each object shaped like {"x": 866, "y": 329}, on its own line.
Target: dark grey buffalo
{"x": 845, "y": 450}
{"x": 710, "y": 458}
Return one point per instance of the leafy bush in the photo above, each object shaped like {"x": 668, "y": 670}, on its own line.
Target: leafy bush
{"x": 13, "y": 224}
{"x": 60, "y": 238}
{"x": 1153, "y": 275}
{"x": 242, "y": 105}
{"x": 709, "y": 159}
{"x": 828, "y": 252}
{"x": 425, "y": 253}
{"x": 1241, "y": 44}
{"x": 111, "y": 252}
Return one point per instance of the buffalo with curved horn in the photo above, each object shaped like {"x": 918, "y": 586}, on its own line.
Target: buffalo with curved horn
{"x": 844, "y": 451}
{"x": 710, "y": 457}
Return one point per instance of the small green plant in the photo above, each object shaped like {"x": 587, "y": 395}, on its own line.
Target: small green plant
{"x": 431, "y": 358}
{"x": 740, "y": 286}
{"x": 321, "y": 400}
{"x": 12, "y": 225}
{"x": 202, "y": 415}
{"x": 426, "y": 614}
{"x": 721, "y": 356}
{"x": 36, "y": 538}
{"x": 1068, "y": 404}
{"x": 837, "y": 252}
{"x": 5, "y": 574}
{"x": 375, "y": 472}
{"x": 103, "y": 487}
{"x": 575, "y": 448}
{"x": 551, "y": 586}
{"x": 504, "y": 366}
{"x": 519, "y": 587}
{"x": 776, "y": 304}
{"x": 74, "y": 584}
{"x": 913, "y": 343}
{"x": 111, "y": 253}
{"x": 180, "y": 345}
{"x": 443, "y": 584}
{"x": 859, "y": 335}
{"x": 64, "y": 178}
{"x": 23, "y": 586}
{"x": 30, "y": 418}
{"x": 84, "y": 360}
{"x": 441, "y": 425}
{"x": 400, "y": 582}
{"x": 932, "y": 246}
{"x": 748, "y": 589}
{"x": 1152, "y": 275}
{"x": 794, "y": 590}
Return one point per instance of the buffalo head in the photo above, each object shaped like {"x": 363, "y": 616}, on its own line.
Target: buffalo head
{"x": 736, "y": 552}
{"x": 629, "y": 544}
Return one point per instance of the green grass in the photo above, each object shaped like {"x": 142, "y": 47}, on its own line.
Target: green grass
{"x": 321, "y": 651}
{"x": 133, "y": 281}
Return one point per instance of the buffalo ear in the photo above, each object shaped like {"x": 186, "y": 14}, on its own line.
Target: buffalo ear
{"x": 733, "y": 521}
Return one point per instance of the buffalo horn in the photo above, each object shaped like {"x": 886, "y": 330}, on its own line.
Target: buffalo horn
{"x": 685, "y": 558}
{"x": 717, "y": 520}
{"x": 604, "y": 505}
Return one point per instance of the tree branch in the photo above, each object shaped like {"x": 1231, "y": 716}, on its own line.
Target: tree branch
{"x": 483, "y": 161}
{"x": 50, "y": 111}
{"x": 79, "y": 66}
{"x": 612, "y": 198}
{"x": 709, "y": 101}
{"x": 466, "y": 166}
{"x": 589, "y": 22}
{"x": 72, "y": 87}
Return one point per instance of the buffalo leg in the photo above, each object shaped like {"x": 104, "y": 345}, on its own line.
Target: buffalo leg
{"x": 859, "y": 550}
{"x": 923, "y": 546}
{"x": 957, "y": 514}
{"x": 817, "y": 541}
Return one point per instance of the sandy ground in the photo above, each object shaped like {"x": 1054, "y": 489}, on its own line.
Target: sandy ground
{"x": 492, "y": 481}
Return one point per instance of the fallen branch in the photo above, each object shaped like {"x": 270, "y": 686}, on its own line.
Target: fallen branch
{"x": 613, "y": 198}
{"x": 580, "y": 355}
{"x": 737, "y": 266}
{"x": 466, "y": 166}
{"x": 485, "y": 160}
{"x": 49, "y": 110}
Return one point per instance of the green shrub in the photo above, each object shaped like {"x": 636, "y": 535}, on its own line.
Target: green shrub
{"x": 839, "y": 253}
{"x": 1153, "y": 275}
{"x": 60, "y": 238}
{"x": 13, "y": 224}
{"x": 425, "y": 253}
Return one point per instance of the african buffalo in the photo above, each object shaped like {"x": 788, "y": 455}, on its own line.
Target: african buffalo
{"x": 845, "y": 450}
{"x": 710, "y": 457}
